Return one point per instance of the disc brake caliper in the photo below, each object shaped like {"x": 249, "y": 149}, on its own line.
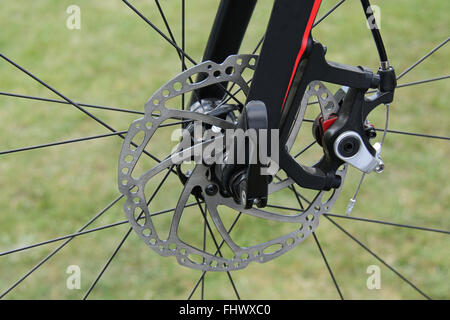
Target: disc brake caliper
{"x": 345, "y": 137}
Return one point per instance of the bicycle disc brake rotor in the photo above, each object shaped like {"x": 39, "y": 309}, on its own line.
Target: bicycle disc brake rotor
{"x": 133, "y": 188}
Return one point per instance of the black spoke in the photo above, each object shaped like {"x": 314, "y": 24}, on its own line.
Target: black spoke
{"x": 260, "y": 42}
{"x": 174, "y": 123}
{"x": 88, "y": 106}
{"x": 328, "y": 266}
{"x": 328, "y": 13}
{"x": 59, "y": 247}
{"x": 304, "y": 149}
{"x": 76, "y": 234}
{"x": 202, "y": 295}
{"x": 227, "y": 97}
{"x": 125, "y": 237}
{"x": 183, "y": 47}
{"x": 297, "y": 196}
{"x": 57, "y": 92}
{"x": 387, "y": 223}
{"x": 423, "y": 135}
{"x": 321, "y": 251}
{"x": 173, "y": 44}
{"x": 378, "y": 258}
{"x": 414, "y": 83}
{"x": 181, "y": 53}
{"x": 220, "y": 246}
{"x": 284, "y": 208}
{"x": 166, "y": 23}
{"x": 415, "y": 64}
{"x": 22, "y": 96}
{"x": 107, "y": 263}
{"x": 205, "y": 219}
{"x": 15, "y": 95}
{"x": 51, "y": 144}
{"x": 71, "y": 102}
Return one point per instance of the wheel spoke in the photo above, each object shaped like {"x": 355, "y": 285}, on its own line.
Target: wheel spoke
{"x": 321, "y": 251}
{"x": 57, "y": 93}
{"x": 166, "y": 23}
{"x": 180, "y": 53}
{"x": 415, "y": 64}
{"x": 227, "y": 97}
{"x": 76, "y": 234}
{"x": 173, "y": 44}
{"x": 205, "y": 219}
{"x": 39, "y": 264}
{"x": 125, "y": 237}
{"x": 22, "y": 96}
{"x": 328, "y": 266}
{"x": 378, "y": 258}
{"x": 71, "y": 102}
{"x": 183, "y": 47}
{"x": 46, "y": 145}
{"x": 401, "y": 132}
{"x": 217, "y": 252}
{"x": 328, "y": 13}
{"x": 415, "y": 134}
{"x": 305, "y": 149}
{"x": 387, "y": 223}
{"x": 297, "y": 196}
{"x": 414, "y": 83}
{"x": 116, "y": 251}
{"x": 204, "y": 249}
{"x": 51, "y": 144}
{"x": 284, "y": 208}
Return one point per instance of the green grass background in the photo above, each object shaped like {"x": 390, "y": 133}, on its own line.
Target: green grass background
{"x": 117, "y": 60}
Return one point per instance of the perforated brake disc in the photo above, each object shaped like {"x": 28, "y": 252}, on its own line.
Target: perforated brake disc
{"x": 157, "y": 112}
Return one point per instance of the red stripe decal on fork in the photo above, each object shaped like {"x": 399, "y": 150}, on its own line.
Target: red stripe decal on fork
{"x": 312, "y": 17}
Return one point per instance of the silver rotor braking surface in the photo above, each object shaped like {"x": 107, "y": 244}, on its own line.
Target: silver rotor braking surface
{"x": 133, "y": 188}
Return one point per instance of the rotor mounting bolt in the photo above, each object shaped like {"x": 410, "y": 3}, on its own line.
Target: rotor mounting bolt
{"x": 211, "y": 189}
{"x": 348, "y": 147}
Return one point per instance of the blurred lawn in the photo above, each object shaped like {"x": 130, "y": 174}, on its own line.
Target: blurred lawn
{"x": 117, "y": 60}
